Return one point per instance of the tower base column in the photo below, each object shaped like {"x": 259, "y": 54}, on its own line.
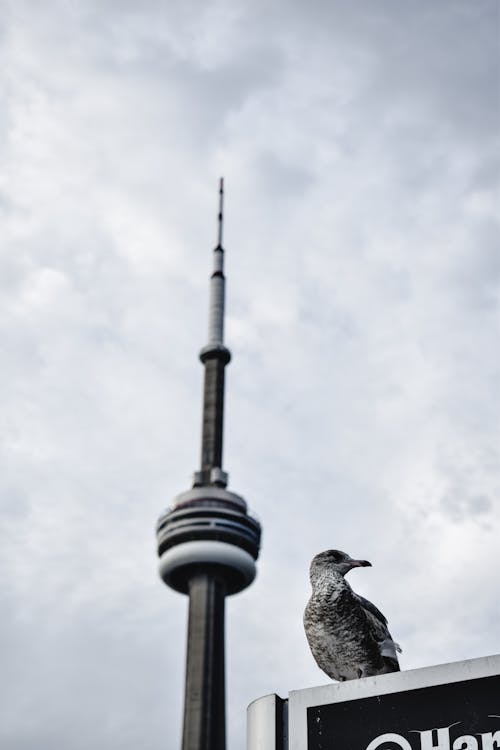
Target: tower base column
{"x": 204, "y": 703}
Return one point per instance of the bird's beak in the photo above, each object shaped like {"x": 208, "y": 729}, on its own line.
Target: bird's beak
{"x": 360, "y": 564}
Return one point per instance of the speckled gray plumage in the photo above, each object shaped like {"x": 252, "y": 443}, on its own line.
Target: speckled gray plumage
{"x": 347, "y": 634}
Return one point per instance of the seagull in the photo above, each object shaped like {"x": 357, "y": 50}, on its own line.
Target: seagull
{"x": 347, "y": 634}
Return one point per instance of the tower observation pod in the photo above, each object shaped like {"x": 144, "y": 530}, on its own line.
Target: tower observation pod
{"x": 207, "y": 541}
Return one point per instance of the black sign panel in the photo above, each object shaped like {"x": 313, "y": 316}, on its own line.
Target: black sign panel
{"x": 456, "y": 716}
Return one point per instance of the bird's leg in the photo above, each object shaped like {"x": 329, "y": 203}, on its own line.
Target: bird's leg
{"x": 360, "y": 673}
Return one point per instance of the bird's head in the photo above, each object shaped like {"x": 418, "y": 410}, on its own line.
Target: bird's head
{"x": 334, "y": 559}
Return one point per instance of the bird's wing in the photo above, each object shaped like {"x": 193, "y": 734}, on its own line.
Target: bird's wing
{"x": 379, "y": 629}
{"x": 371, "y": 608}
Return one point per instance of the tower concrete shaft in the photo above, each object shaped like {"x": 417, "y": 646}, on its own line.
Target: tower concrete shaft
{"x": 208, "y": 542}
{"x": 213, "y": 420}
{"x": 204, "y": 700}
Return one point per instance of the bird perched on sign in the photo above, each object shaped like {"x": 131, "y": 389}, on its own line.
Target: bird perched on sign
{"x": 347, "y": 634}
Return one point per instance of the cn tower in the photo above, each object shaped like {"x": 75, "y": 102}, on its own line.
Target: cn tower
{"x": 207, "y": 541}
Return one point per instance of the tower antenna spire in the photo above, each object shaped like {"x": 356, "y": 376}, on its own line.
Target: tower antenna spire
{"x": 221, "y": 211}
{"x": 215, "y": 356}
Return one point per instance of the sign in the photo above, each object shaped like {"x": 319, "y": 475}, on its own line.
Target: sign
{"x": 447, "y": 707}
{"x": 459, "y": 716}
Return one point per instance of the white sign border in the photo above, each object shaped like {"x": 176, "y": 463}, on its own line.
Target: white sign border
{"x": 396, "y": 682}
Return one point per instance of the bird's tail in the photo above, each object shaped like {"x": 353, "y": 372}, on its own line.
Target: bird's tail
{"x": 390, "y": 665}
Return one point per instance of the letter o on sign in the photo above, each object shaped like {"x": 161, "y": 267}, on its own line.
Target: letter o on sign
{"x": 395, "y": 738}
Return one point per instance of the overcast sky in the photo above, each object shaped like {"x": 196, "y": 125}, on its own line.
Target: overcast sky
{"x": 359, "y": 143}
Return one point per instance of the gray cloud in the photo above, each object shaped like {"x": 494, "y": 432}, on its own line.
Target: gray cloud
{"x": 359, "y": 144}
